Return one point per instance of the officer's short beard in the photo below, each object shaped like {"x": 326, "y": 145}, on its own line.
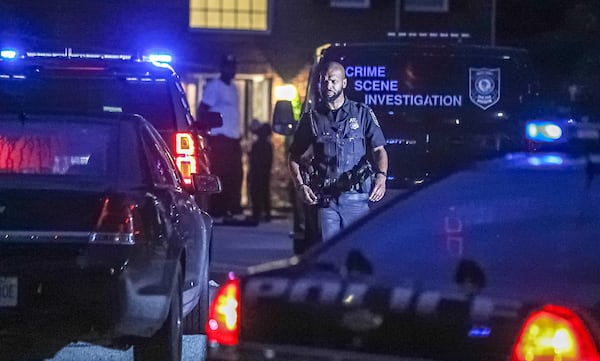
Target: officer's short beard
{"x": 334, "y": 97}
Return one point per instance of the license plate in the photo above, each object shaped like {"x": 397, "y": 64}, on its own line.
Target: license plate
{"x": 9, "y": 288}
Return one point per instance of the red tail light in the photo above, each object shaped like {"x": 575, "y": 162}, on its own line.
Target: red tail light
{"x": 554, "y": 333}
{"x": 185, "y": 155}
{"x": 116, "y": 224}
{"x": 223, "y": 324}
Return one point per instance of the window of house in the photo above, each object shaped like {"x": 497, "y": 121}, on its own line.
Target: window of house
{"x": 230, "y": 15}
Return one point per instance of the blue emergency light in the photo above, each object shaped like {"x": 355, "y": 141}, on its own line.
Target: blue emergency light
{"x": 160, "y": 58}
{"x": 543, "y": 131}
{"x": 8, "y": 54}
{"x": 546, "y": 160}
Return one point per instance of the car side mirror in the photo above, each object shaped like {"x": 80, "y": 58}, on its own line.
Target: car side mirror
{"x": 283, "y": 118}
{"x": 207, "y": 120}
{"x": 206, "y": 183}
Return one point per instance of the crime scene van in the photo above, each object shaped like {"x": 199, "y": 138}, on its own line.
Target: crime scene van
{"x": 438, "y": 105}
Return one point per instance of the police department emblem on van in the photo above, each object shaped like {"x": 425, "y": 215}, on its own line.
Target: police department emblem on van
{"x": 484, "y": 86}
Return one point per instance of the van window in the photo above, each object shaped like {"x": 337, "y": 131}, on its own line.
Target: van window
{"x": 143, "y": 96}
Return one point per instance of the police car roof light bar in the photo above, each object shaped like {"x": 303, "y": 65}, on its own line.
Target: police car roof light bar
{"x": 428, "y": 35}
{"x": 68, "y": 53}
{"x": 161, "y": 59}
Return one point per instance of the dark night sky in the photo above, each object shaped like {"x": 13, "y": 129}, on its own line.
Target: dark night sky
{"x": 561, "y": 34}
{"x": 518, "y": 19}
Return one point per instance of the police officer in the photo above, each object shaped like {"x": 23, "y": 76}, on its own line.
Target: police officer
{"x": 339, "y": 135}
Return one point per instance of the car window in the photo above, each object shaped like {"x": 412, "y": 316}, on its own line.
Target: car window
{"x": 149, "y": 97}
{"x": 57, "y": 147}
{"x": 161, "y": 165}
{"x": 183, "y": 99}
{"x": 167, "y": 155}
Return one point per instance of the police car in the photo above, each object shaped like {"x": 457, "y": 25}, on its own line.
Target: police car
{"x": 100, "y": 239}
{"x": 33, "y": 82}
{"x": 496, "y": 261}
{"x": 69, "y": 81}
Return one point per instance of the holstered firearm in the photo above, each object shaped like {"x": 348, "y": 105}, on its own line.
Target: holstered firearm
{"x": 327, "y": 189}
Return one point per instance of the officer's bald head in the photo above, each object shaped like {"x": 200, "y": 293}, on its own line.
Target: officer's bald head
{"x": 333, "y": 66}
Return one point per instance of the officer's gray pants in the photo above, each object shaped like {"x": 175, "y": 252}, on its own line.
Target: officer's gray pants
{"x": 343, "y": 211}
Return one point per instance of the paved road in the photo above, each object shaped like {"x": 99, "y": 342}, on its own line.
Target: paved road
{"x": 193, "y": 350}
{"x": 237, "y": 247}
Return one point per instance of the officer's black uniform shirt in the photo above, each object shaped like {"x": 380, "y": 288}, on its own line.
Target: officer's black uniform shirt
{"x": 339, "y": 120}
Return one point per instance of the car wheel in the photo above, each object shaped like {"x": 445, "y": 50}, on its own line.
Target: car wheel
{"x": 166, "y": 343}
{"x": 195, "y": 321}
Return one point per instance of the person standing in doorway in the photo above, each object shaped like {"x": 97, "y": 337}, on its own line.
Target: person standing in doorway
{"x": 259, "y": 173}
{"x": 348, "y": 161}
{"x": 225, "y": 151}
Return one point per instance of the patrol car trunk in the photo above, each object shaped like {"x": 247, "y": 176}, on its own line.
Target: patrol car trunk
{"x": 49, "y": 210}
{"x": 438, "y": 322}
{"x": 438, "y": 104}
